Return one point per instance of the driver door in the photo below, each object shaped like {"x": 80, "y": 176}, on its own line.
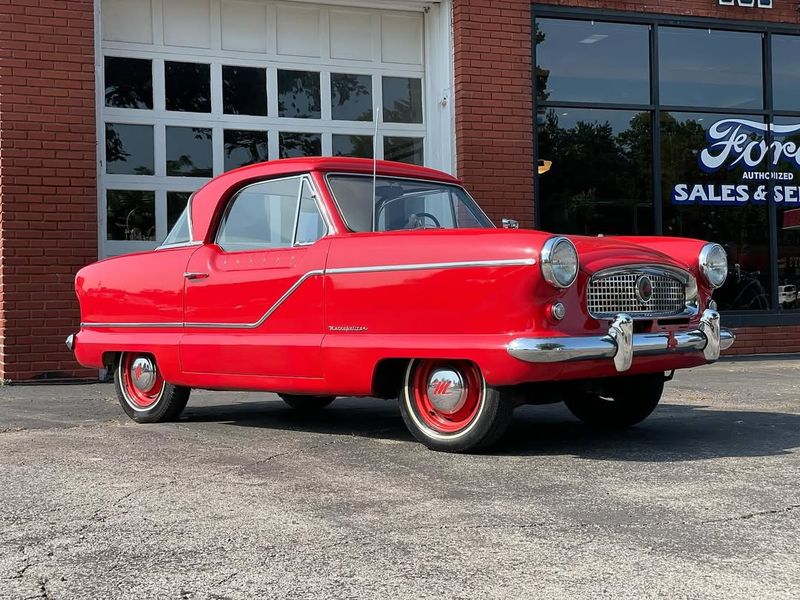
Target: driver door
{"x": 253, "y": 300}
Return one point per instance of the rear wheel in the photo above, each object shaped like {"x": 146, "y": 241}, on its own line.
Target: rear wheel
{"x": 143, "y": 393}
{"x": 307, "y": 403}
{"x": 447, "y": 406}
{"x": 629, "y": 400}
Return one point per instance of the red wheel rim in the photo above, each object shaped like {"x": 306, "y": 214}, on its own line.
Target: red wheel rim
{"x": 148, "y": 391}
{"x": 430, "y": 410}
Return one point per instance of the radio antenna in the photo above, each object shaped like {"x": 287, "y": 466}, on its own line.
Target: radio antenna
{"x": 375, "y": 171}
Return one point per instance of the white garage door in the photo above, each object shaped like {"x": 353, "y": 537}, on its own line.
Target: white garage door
{"x": 193, "y": 88}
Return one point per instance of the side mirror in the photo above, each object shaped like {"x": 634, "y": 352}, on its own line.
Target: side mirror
{"x": 510, "y": 224}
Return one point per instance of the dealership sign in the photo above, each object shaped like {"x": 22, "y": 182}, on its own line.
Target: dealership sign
{"x": 747, "y": 3}
{"x": 742, "y": 143}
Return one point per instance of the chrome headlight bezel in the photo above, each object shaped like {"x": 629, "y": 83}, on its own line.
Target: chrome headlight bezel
{"x": 550, "y": 270}
{"x": 713, "y": 262}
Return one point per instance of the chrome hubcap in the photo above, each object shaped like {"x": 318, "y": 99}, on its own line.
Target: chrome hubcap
{"x": 446, "y": 391}
{"x": 143, "y": 374}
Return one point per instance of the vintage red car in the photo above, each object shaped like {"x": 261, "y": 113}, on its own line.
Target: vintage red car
{"x": 317, "y": 278}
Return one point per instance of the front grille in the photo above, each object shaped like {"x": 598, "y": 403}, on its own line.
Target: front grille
{"x": 609, "y": 295}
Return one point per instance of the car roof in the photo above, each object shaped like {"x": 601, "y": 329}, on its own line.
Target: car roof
{"x": 206, "y": 200}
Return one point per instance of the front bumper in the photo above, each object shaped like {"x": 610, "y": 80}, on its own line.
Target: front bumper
{"x": 621, "y": 344}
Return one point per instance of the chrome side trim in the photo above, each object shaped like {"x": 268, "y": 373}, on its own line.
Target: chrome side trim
{"x": 443, "y": 265}
{"x": 708, "y": 338}
{"x": 267, "y": 314}
{"x": 336, "y": 271}
{"x": 179, "y": 245}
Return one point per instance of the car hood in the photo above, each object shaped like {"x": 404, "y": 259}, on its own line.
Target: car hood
{"x": 598, "y": 253}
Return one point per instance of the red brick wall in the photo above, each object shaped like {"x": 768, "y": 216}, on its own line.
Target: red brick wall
{"x": 494, "y": 104}
{"x": 765, "y": 340}
{"x": 48, "y": 198}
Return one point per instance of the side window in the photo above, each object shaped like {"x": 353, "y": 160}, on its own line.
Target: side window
{"x": 310, "y": 226}
{"x": 261, "y": 216}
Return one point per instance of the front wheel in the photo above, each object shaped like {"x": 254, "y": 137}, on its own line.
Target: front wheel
{"x": 447, "y": 406}
{"x": 142, "y": 392}
{"x": 630, "y": 400}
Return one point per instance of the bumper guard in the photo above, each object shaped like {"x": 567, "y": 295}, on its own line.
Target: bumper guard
{"x": 621, "y": 344}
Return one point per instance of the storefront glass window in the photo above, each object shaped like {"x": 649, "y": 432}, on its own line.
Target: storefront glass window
{"x": 786, "y": 72}
{"x": 598, "y": 171}
{"x": 707, "y": 67}
{"x": 404, "y": 149}
{"x": 592, "y": 61}
{"x": 786, "y": 138}
{"x": 708, "y": 195}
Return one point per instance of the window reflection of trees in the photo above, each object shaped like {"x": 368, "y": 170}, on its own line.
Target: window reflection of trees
{"x": 300, "y": 144}
{"x": 351, "y": 97}
{"x": 190, "y": 159}
{"x": 130, "y": 215}
{"x": 299, "y": 94}
{"x": 600, "y": 181}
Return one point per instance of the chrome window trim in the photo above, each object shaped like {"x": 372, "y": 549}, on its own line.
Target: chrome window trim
{"x": 683, "y": 276}
{"x": 514, "y": 262}
{"x": 418, "y": 179}
{"x": 179, "y": 245}
{"x": 189, "y": 225}
{"x": 316, "y": 199}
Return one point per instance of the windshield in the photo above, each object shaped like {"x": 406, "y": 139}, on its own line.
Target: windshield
{"x": 403, "y": 204}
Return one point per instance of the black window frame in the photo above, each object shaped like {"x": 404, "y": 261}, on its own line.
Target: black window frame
{"x": 774, "y": 315}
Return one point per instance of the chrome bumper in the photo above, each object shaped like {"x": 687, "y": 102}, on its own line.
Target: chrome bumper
{"x": 621, "y": 344}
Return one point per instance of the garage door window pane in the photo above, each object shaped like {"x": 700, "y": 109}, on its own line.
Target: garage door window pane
{"x": 351, "y": 97}
{"x": 244, "y": 91}
{"x": 402, "y": 100}
{"x": 592, "y": 61}
{"x": 786, "y": 72}
{"x": 129, "y": 149}
{"x": 176, "y": 204}
{"x": 261, "y": 216}
{"x": 299, "y": 94}
{"x": 707, "y": 67}
{"x": 188, "y": 87}
{"x": 189, "y": 152}
{"x": 359, "y": 146}
{"x": 244, "y": 147}
{"x": 404, "y": 149}
{"x": 300, "y": 144}
{"x": 129, "y": 82}
{"x": 130, "y": 215}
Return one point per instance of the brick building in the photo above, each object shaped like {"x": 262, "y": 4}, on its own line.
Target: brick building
{"x": 113, "y": 111}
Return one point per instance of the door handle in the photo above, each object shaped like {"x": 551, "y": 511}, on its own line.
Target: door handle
{"x": 195, "y": 275}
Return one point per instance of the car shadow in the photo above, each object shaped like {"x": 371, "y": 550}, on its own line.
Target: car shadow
{"x": 674, "y": 433}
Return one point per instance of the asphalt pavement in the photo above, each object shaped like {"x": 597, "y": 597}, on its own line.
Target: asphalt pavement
{"x": 245, "y": 498}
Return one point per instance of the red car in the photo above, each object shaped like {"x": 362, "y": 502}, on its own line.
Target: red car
{"x": 317, "y": 278}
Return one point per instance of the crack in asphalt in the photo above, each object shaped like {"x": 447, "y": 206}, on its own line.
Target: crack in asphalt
{"x": 761, "y": 513}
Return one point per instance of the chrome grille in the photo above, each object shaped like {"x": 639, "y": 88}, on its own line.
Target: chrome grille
{"x": 609, "y": 295}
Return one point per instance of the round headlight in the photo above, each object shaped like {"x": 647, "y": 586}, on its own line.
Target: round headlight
{"x": 714, "y": 264}
{"x": 559, "y": 262}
